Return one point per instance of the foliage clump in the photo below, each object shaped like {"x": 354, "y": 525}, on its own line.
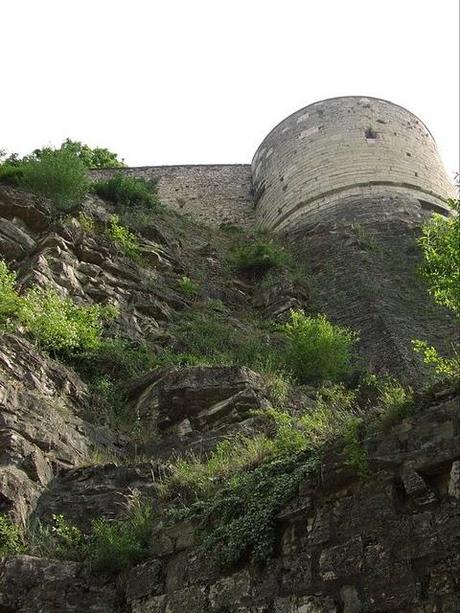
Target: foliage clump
{"x": 11, "y": 538}
{"x": 58, "y": 175}
{"x": 126, "y": 240}
{"x": 110, "y": 546}
{"x": 440, "y": 242}
{"x": 317, "y": 349}
{"x": 189, "y": 287}
{"x": 393, "y": 402}
{"x": 55, "y": 322}
{"x": 443, "y": 367}
{"x": 9, "y": 298}
{"x": 212, "y": 338}
{"x": 259, "y": 257}
{"x": 59, "y": 325}
{"x": 125, "y": 191}
{"x": 97, "y": 157}
{"x": 10, "y": 173}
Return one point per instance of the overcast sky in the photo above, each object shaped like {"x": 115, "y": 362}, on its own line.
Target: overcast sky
{"x": 198, "y": 81}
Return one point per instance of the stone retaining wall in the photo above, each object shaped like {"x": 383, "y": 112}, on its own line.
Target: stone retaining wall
{"x": 216, "y": 194}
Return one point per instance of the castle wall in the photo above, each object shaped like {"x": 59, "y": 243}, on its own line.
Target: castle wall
{"x": 344, "y": 148}
{"x": 215, "y": 194}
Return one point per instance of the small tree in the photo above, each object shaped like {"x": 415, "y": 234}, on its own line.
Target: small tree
{"x": 440, "y": 241}
{"x": 98, "y": 157}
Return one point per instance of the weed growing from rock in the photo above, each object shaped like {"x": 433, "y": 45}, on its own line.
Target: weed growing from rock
{"x": 110, "y": 545}
{"x": 125, "y": 240}
{"x": 11, "y": 538}
{"x": 188, "y": 287}
{"x": 9, "y": 298}
{"x": 59, "y": 325}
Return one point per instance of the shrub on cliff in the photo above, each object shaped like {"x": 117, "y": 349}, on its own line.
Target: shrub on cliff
{"x": 316, "y": 349}
{"x": 55, "y": 322}
{"x": 127, "y": 191}
{"x": 59, "y": 325}
{"x": 58, "y": 175}
{"x": 10, "y": 174}
{"x": 126, "y": 240}
{"x": 109, "y": 546}
{"x": 259, "y": 257}
{"x": 235, "y": 494}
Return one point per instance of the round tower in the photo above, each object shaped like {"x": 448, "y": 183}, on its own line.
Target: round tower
{"x": 339, "y": 158}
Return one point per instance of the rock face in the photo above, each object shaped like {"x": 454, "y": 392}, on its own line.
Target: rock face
{"x": 41, "y": 432}
{"x": 386, "y": 544}
{"x": 37, "y": 584}
{"x": 344, "y": 544}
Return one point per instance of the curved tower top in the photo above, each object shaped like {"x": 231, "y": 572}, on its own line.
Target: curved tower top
{"x": 332, "y": 154}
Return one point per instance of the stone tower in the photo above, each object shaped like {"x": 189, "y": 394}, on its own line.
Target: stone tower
{"x": 349, "y": 182}
{"x": 339, "y": 158}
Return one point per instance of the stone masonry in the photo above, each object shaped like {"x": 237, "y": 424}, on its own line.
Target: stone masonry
{"x": 344, "y": 148}
{"x": 310, "y": 166}
{"x": 217, "y": 194}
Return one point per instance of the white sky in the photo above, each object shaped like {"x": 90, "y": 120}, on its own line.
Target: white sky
{"x": 198, "y": 81}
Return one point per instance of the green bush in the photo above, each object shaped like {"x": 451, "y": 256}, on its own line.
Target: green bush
{"x": 117, "y": 358}
{"x": 123, "y": 238}
{"x": 115, "y": 545}
{"x": 110, "y": 546}
{"x": 10, "y": 174}
{"x": 127, "y": 191}
{"x": 316, "y": 349}
{"x": 259, "y": 257}
{"x": 56, "y": 323}
{"x": 11, "y": 538}
{"x": 61, "y": 326}
{"x": 444, "y": 367}
{"x": 212, "y": 338}
{"x": 333, "y": 415}
{"x": 97, "y": 157}
{"x": 57, "y": 174}
{"x": 440, "y": 243}
{"x": 395, "y": 402}
{"x": 242, "y": 516}
{"x": 194, "y": 477}
{"x": 86, "y": 222}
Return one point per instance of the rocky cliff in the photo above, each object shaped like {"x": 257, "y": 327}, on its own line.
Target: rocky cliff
{"x": 370, "y": 525}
